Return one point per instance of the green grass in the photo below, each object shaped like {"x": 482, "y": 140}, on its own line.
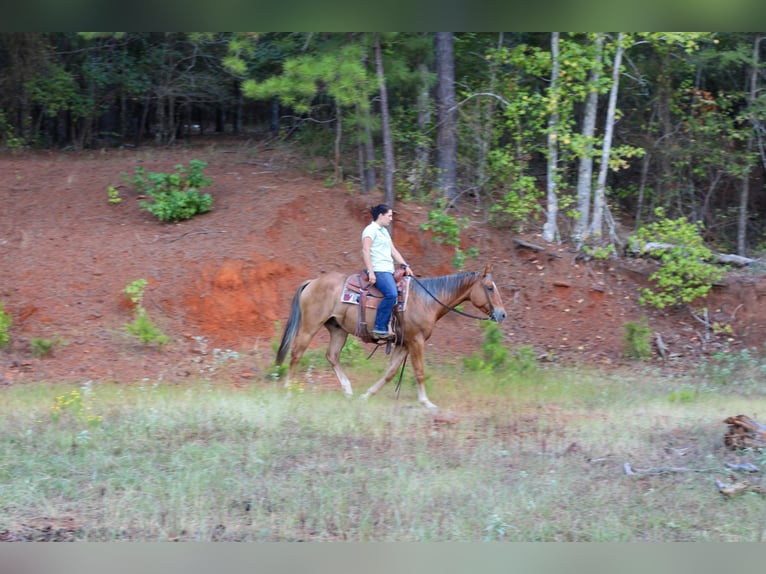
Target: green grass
{"x": 537, "y": 456}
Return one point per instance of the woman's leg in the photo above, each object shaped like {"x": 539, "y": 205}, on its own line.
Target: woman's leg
{"x": 385, "y": 282}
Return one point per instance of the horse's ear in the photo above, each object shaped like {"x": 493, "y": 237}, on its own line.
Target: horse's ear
{"x": 487, "y": 269}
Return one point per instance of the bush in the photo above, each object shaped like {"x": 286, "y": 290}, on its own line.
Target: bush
{"x": 142, "y": 327}
{"x": 175, "y": 196}
{"x": 5, "y": 324}
{"x": 638, "y": 340}
{"x": 683, "y": 274}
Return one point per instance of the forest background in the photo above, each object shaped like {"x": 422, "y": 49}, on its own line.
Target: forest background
{"x": 584, "y": 137}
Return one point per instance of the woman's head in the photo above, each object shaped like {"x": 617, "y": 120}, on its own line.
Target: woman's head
{"x": 379, "y": 210}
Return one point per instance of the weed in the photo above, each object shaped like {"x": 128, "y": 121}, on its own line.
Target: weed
{"x": 637, "y": 340}
{"x": 5, "y": 325}
{"x": 43, "y": 347}
{"x": 446, "y": 230}
{"x": 113, "y": 194}
{"x": 142, "y": 327}
{"x": 175, "y": 196}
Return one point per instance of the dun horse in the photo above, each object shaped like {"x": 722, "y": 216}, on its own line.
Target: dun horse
{"x": 317, "y": 303}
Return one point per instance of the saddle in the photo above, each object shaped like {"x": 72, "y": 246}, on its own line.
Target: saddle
{"x": 357, "y": 290}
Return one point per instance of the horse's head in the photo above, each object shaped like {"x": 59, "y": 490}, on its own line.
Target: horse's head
{"x": 484, "y": 295}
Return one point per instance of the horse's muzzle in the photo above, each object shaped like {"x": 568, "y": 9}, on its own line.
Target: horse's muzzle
{"x": 497, "y": 315}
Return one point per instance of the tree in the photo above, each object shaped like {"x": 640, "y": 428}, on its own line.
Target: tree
{"x": 388, "y": 148}
{"x": 551, "y": 229}
{"x": 446, "y": 139}
{"x": 585, "y": 170}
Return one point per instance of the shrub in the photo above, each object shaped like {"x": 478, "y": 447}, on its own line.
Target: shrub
{"x": 446, "y": 230}
{"x": 142, "y": 327}
{"x": 494, "y": 354}
{"x": 638, "y": 340}
{"x": 175, "y": 196}
{"x": 5, "y": 324}
{"x": 43, "y": 347}
{"x": 683, "y": 274}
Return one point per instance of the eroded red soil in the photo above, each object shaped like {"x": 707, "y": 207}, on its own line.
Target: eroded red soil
{"x": 224, "y": 280}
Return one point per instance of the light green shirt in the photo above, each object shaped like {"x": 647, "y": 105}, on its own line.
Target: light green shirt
{"x": 380, "y": 250}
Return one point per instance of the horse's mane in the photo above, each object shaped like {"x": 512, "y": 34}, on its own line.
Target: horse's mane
{"x": 444, "y": 285}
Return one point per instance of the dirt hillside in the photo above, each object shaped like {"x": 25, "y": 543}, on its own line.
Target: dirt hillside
{"x": 219, "y": 283}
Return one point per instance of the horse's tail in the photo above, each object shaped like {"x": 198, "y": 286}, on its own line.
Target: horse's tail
{"x": 293, "y": 324}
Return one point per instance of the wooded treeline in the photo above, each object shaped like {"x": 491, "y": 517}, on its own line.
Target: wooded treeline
{"x": 571, "y": 135}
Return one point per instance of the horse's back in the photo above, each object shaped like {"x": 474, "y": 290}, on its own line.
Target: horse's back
{"x": 323, "y": 294}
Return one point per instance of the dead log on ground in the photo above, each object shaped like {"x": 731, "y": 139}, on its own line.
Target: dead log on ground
{"x": 744, "y": 432}
{"x": 654, "y": 247}
{"x": 737, "y": 488}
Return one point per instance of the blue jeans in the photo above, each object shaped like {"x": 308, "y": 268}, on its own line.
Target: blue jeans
{"x": 385, "y": 282}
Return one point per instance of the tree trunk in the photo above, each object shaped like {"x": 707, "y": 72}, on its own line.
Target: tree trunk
{"x": 446, "y": 139}
{"x": 551, "y": 228}
{"x": 599, "y": 201}
{"x": 745, "y": 189}
{"x": 585, "y": 169}
{"x": 422, "y": 151}
{"x": 388, "y": 147}
{"x": 338, "y": 134}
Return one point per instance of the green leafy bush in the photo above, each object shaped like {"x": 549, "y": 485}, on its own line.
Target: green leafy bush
{"x": 637, "y": 340}
{"x": 446, "y": 230}
{"x": 142, "y": 327}
{"x": 175, "y": 196}
{"x": 43, "y": 347}
{"x": 684, "y": 273}
{"x": 494, "y": 354}
{"x": 5, "y": 324}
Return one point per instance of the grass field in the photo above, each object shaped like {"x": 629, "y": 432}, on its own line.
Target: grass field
{"x": 519, "y": 455}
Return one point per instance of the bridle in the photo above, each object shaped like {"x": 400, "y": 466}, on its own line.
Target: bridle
{"x": 458, "y": 311}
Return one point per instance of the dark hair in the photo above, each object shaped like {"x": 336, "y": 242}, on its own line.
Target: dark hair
{"x": 379, "y": 210}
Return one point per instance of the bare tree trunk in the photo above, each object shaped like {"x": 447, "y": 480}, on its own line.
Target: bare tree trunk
{"x": 599, "y": 201}
{"x": 422, "y": 151}
{"x": 585, "y": 169}
{"x": 369, "y": 155}
{"x": 388, "y": 147}
{"x": 446, "y": 139}
{"x": 745, "y": 190}
{"x": 338, "y": 134}
{"x": 551, "y": 228}
{"x": 484, "y": 135}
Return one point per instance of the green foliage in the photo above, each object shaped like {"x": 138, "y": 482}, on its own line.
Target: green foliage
{"x": 175, "y": 196}
{"x": 142, "y": 327}
{"x": 76, "y": 406}
{"x": 684, "y": 274}
{"x": 43, "y": 347}
{"x": 599, "y": 252}
{"x": 495, "y": 357}
{"x": 494, "y": 354}
{"x": 637, "y": 340}
{"x": 446, "y": 230}
{"x": 113, "y": 195}
{"x": 5, "y": 324}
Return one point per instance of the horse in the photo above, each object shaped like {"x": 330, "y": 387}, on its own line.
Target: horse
{"x": 317, "y": 303}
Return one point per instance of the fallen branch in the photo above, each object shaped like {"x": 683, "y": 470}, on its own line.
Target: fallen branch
{"x": 731, "y": 490}
{"x": 744, "y": 432}
{"x": 722, "y": 258}
{"x": 630, "y": 471}
{"x": 190, "y": 233}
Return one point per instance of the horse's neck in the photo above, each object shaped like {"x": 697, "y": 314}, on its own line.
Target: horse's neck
{"x": 451, "y": 297}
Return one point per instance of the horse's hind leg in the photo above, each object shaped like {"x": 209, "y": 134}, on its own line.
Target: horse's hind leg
{"x": 300, "y": 344}
{"x": 397, "y": 358}
{"x": 337, "y": 339}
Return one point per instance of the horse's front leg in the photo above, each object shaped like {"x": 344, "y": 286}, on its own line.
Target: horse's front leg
{"x": 397, "y": 358}
{"x": 418, "y": 365}
{"x": 337, "y": 339}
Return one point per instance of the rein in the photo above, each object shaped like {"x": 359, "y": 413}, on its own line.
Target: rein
{"x": 458, "y": 311}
